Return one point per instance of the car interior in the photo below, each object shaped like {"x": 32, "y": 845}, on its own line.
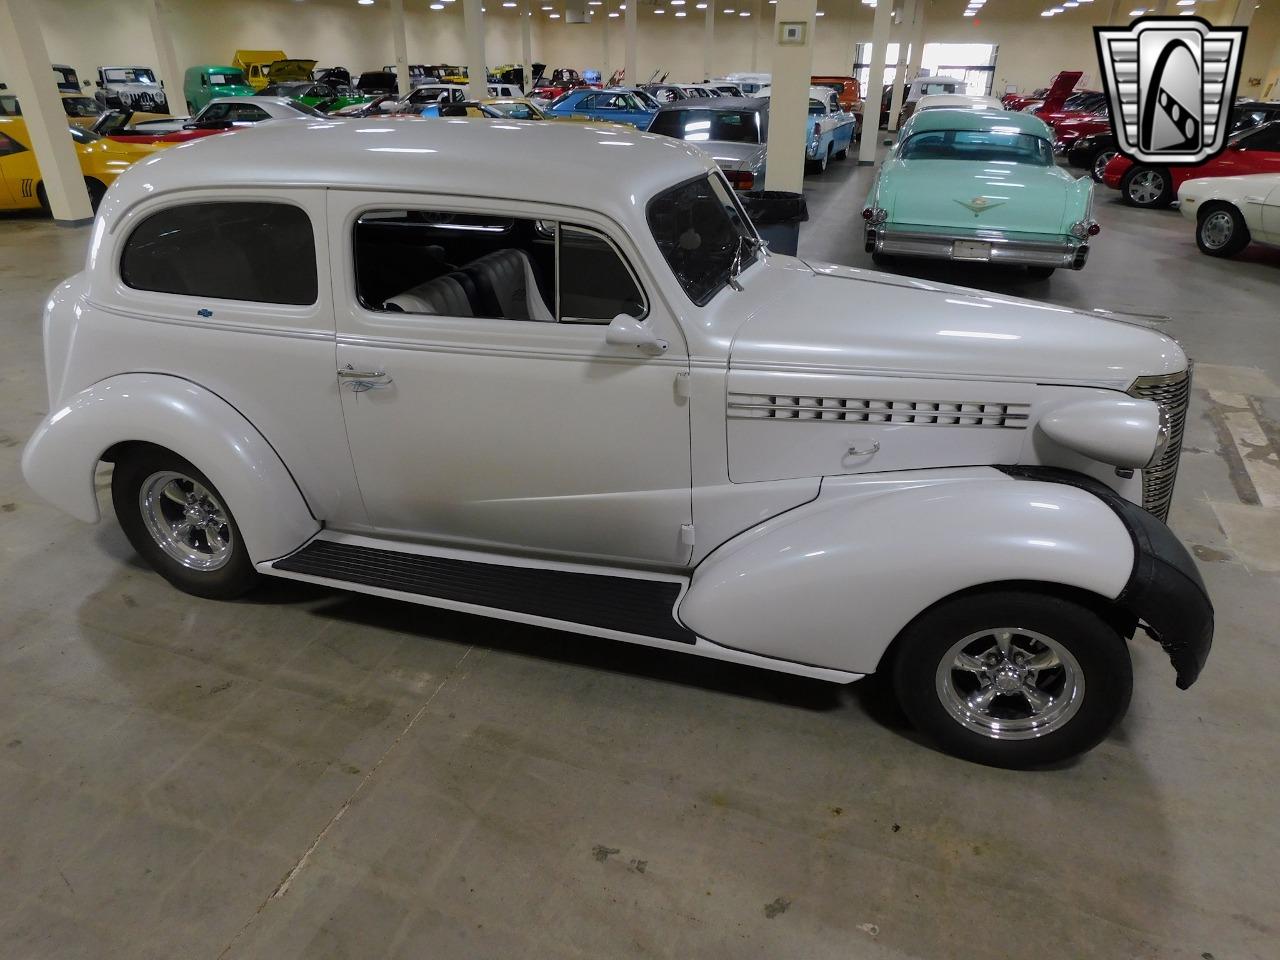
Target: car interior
{"x": 467, "y": 265}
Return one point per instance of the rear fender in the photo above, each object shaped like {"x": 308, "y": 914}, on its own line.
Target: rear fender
{"x": 60, "y": 458}
{"x": 833, "y": 582}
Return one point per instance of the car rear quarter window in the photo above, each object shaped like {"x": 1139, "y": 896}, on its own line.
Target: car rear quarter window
{"x": 242, "y": 250}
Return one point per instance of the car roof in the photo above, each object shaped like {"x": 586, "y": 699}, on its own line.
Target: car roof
{"x": 454, "y": 155}
{"x": 716, "y": 103}
{"x": 978, "y": 120}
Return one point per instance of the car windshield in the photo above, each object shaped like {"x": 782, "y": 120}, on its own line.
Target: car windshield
{"x": 286, "y": 90}
{"x": 735, "y": 126}
{"x": 81, "y": 106}
{"x": 130, "y": 75}
{"x": 564, "y": 98}
{"x": 987, "y": 146}
{"x": 517, "y": 111}
{"x": 226, "y": 78}
{"x": 703, "y": 234}
{"x": 305, "y": 108}
{"x": 816, "y": 109}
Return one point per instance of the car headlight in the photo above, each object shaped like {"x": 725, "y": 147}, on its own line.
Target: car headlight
{"x": 1121, "y": 431}
{"x": 1085, "y": 228}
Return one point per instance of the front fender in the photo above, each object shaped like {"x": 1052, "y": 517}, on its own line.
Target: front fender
{"x": 833, "y": 582}
{"x": 59, "y": 460}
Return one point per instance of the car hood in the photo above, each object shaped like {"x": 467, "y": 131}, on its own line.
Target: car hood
{"x": 822, "y": 319}
{"x": 283, "y": 71}
{"x": 976, "y": 195}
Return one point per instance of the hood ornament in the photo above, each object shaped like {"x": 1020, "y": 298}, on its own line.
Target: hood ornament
{"x": 980, "y": 204}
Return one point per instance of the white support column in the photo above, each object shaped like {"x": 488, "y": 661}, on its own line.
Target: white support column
{"x": 870, "y": 132}
{"x": 709, "y": 41}
{"x": 526, "y": 44}
{"x": 792, "y": 66}
{"x": 166, "y": 59}
{"x": 600, "y": 15}
{"x": 755, "y": 36}
{"x": 1244, "y": 13}
{"x": 477, "y": 69}
{"x": 403, "y": 81}
{"x": 917, "y": 42}
{"x": 630, "y": 64}
{"x": 26, "y": 60}
{"x": 900, "y": 68}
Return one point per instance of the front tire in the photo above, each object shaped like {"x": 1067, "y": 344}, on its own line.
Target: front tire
{"x": 1099, "y": 164}
{"x": 1012, "y": 678}
{"x": 1040, "y": 273}
{"x": 1221, "y": 231}
{"x": 179, "y": 523}
{"x": 1147, "y": 187}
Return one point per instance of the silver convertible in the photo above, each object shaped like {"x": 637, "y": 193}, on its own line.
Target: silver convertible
{"x": 361, "y": 354}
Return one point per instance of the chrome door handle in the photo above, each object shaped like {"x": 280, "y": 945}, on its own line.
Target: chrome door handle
{"x": 853, "y": 450}
{"x": 362, "y": 380}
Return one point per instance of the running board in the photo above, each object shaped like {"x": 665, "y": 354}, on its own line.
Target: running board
{"x": 629, "y": 605}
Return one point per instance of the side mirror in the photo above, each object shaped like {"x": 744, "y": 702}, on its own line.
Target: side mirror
{"x": 99, "y": 84}
{"x": 625, "y": 330}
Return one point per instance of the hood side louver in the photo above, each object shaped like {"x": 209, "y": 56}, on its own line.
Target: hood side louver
{"x": 847, "y": 410}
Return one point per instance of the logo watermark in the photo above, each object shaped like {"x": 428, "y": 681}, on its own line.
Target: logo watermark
{"x": 1170, "y": 82}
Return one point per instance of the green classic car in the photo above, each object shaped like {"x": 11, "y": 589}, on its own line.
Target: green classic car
{"x": 323, "y": 96}
{"x": 208, "y": 82}
{"x": 979, "y": 186}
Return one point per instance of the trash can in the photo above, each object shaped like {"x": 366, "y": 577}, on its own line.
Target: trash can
{"x": 777, "y": 215}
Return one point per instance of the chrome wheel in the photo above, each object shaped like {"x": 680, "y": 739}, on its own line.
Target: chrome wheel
{"x": 1010, "y": 683}
{"x": 1217, "y": 229}
{"x": 1100, "y": 163}
{"x": 186, "y": 520}
{"x": 1146, "y": 187}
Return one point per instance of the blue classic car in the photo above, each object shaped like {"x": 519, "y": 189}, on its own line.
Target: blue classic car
{"x": 831, "y": 129}
{"x": 979, "y": 186}
{"x": 616, "y": 106}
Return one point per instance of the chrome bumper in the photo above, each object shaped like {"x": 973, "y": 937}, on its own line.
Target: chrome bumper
{"x": 1032, "y": 250}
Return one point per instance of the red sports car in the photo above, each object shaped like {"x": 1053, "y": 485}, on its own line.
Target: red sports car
{"x": 1144, "y": 185}
{"x": 1060, "y": 87}
{"x": 1067, "y": 132}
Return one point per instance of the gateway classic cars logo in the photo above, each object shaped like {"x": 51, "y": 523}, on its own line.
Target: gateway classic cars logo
{"x": 1170, "y": 82}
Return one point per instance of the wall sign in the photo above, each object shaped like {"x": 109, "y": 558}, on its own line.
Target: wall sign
{"x": 791, "y": 32}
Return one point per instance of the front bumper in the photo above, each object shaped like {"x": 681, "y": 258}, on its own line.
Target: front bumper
{"x": 1027, "y": 249}
{"x": 1165, "y": 594}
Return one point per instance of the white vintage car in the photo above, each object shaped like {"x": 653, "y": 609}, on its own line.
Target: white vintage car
{"x": 1231, "y": 212}
{"x": 361, "y": 354}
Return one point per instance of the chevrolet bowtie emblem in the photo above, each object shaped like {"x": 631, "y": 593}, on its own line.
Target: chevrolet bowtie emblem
{"x": 980, "y": 204}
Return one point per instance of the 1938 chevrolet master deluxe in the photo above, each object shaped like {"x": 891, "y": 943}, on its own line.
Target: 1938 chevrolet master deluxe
{"x": 360, "y": 354}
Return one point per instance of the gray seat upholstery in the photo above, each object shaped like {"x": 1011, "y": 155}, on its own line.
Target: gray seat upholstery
{"x": 443, "y": 296}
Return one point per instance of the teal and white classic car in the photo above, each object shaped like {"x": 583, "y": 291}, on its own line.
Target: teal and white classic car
{"x": 980, "y": 186}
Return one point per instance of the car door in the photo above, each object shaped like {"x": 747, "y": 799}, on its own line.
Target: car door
{"x": 18, "y": 173}
{"x": 468, "y": 425}
{"x": 1270, "y": 232}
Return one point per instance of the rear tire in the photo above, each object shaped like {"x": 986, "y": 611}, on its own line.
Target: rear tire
{"x": 1221, "y": 230}
{"x": 1040, "y": 273}
{"x": 97, "y": 190}
{"x": 1147, "y": 187}
{"x": 881, "y": 259}
{"x": 1012, "y": 678}
{"x": 178, "y": 522}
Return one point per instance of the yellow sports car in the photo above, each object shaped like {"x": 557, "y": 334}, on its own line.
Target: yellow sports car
{"x": 81, "y": 111}
{"x": 101, "y": 161}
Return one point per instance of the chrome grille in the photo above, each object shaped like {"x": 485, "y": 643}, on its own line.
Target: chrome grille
{"x": 846, "y": 410}
{"x": 1172, "y": 392}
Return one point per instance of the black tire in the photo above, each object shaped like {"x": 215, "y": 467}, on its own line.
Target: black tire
{"x": 1040, "y": 273}
{"x": 1147, "y": 187}
{"x": 1099, "y": 163}
{"x": 133, "y": 469}
{"x": 97, "y": 190}
{"x": 820, "y": 165}
{"x": 42, "y": 197}
{"x": 881, "y": 259}
{"x": 1221, "y": 230}
{"x": 844, "y": 153}
{"x": 1092, "y": 647}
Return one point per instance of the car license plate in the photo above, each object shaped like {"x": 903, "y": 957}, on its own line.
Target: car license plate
{"x": 971, "y": 250}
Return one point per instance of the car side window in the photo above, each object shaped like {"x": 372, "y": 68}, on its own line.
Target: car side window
{"x": 1265, "y": 139}
{"x": 216, "y": 111}
{"x": 228, "y": 250}
{"x": 479, "y": 265}
{"x": 248, "y": 113}
{"x": 9, "y": 146}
